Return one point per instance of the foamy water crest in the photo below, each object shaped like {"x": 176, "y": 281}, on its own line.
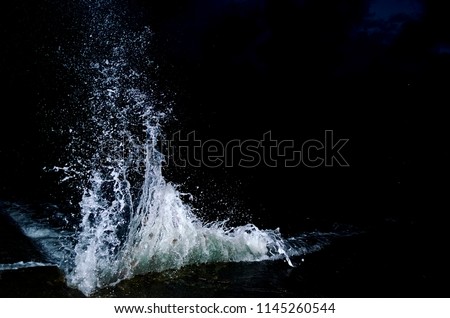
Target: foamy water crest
{"x": 132, "y": 220}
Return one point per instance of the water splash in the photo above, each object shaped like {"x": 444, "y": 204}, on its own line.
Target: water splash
{"x": 132, "y": 220}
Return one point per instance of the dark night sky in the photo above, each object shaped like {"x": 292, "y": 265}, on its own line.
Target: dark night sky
{"x": 375, "y": 72}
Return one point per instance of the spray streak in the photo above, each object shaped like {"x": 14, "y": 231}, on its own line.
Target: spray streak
{"x": 133, "y": 221}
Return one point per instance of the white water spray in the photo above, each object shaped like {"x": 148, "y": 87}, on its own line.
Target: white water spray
{"x": 132, "y": 220}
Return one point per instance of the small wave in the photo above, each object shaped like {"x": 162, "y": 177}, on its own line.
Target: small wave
{"x": 20, "y": 265}
{"x": 54, "y": 241}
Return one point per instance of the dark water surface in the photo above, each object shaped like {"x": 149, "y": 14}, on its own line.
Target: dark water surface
{"x": 395, "y": 259}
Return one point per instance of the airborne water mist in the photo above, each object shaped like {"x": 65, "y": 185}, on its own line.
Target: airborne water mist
{"x": 132, "y": 220}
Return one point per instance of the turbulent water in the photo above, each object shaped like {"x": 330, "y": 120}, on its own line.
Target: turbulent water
{"x": 132, "y": 221}
{"x": 89, "y": 270}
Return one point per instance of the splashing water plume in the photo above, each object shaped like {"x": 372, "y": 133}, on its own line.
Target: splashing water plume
{"x": 133, "y": 221}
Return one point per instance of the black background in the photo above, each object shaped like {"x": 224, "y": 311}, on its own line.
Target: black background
{"x": 374, "y": 72}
